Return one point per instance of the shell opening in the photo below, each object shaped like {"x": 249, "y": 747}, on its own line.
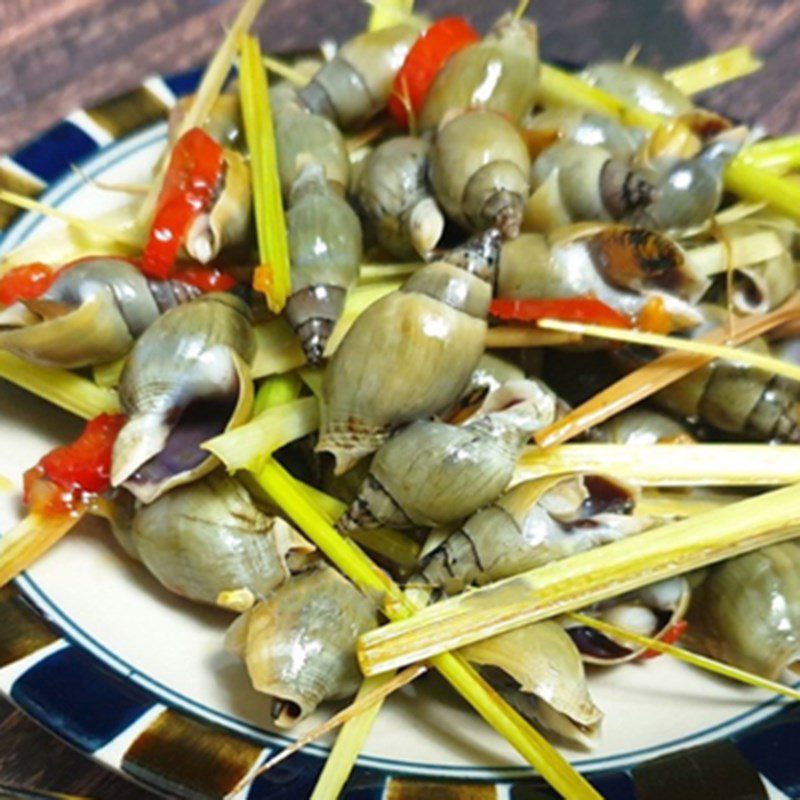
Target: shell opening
{"x": 285, "y": 713}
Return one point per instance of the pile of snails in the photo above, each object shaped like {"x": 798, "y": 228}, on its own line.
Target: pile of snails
{"x": 489, "y": 195}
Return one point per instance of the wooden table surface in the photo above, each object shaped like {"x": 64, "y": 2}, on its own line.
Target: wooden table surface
{"x": 56, "y": 55}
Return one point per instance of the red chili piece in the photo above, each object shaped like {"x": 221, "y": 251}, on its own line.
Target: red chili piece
{"x": 26, "y": 282}
{"x": 423, "y": 62}
{"x": 69, "y": 476}
{"x": 206, "y": 279}
{"x": 672, "y": 634}
{"x": 190, "y": 183}
{"x": 568, "y": 309}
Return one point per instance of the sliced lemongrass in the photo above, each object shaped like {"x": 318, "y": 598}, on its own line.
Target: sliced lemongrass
{"x": 513, "y": 336}
{"x": 354, "y": 563}
{"x": 313, "y": 377}
{"x": 103, "y": 186}
{"x": 272, "y": 276}
{"x": 669, "y": 464}
{"x": 696, "y": 347}
{"x": 738, "y": 252}
{"x": 284, "y": 70}
{"x": 208, "y": 91}
{"x": 29, "y": 539}
{"x": 65, "y": 389}
{"x": 577, "y": 582}
{"x": 277, "y": 348}
{"x": 5, "y": 484}
{"x": 370, "y": 696}
{"x": 385, "y": 542}
{"x": 560, "y": 88}
{"x": 107, "y": 376}
{"x": 66, "y": 244}
{"x": 695, "y": 659}
{"x": 377, "y": 273}
{"x": 354, "y": 733}
{"x": 385, "y": 13}
{"x": 276, "y": 391}
{"x": 760, "y": 185}
{"x": 247, "y": 446}
{"x": 714, "y": 70}
{"x": 782, "y": 153}
{"x": 367, "y": 136}
{"x": 681, "y": 504}
{"x": 94, "y": 227}
{"x": 661, "y": 372}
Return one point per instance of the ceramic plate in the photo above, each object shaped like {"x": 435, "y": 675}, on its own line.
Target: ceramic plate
{"x": 96, "y": 651}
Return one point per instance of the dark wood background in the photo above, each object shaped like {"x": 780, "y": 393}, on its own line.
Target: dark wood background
{"x": 56, "y": 55}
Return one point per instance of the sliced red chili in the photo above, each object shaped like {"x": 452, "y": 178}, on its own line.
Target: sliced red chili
{"x": 671, "y": 636}
{"x": 569, "y": 309}
{"x": 424, "y": 60}
{"x": 70, "y": 475}
{"x": 206, "y": 279}
{"x": 190, "y": 183}
{"x": 26, "y": 282}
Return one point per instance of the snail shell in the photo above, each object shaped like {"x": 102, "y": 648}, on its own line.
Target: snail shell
{"x": 500, "y": 73}
{"x": 747, "y": 611}
{"x": 302, "y": 139}
{"x": 652, "y": 611}
{"x": 640, "y": 86}
{"x": 621, "y": 266}
{"x": 91, "y": 314}
{"x": 227, "y": 221}
{"x": 539, "y": 671}
{"x": 644, "y": 426}
{"x": 408, "y": 355}
{"x": 186, "y": 380}
{"x": 433, "y": 473}
{"x": 736, "y": 398}
{"x": 536, "y": 522}
{"x": 578, "y": 126}
{"x": 325, "y": 247}
{"x": 209, "y": 540}
{"x": 356, "y": 84}
{"x": 299, "y": 645}
{"x": 393, "y": 195}
{"x": 479, "y": 168}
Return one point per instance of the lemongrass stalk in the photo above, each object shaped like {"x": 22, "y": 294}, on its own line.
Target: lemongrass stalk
{"x": 107, "y": 375}
{"x": 357, "y": 719}
{"x": 669, "y": 464}
{"x": 385, "y": 13}
{"x": 65, "y": 389}
{"x": 557, "y": 87}
{"x": 313, "y": 377}
{"x": 657, "y": 374}
{"x": 390, "y": 544}
{"x": 378, "y": 273}
{"x": 755, "y": 184}
{"x": 29, "y": 539}
{"x": 351, "y": 738}
{"x": 512, "y": 336}
{"x": 782, "y": 153}
{"x": 377, "y": 585}
{"x": 714, "y": 70}
{"x": 736, "y": 252}
{"x": 247, "y": 446}
{"x": 284, "y": 70}
{"x": 678, "y": 505}
{"x": 681, "y": 654}
{"x": 208, "y": 91}
{"x": 583, "y": 579}
{"x": 277, "y": 348}
{"x": 748, "y": 357}
{"x": 95, "y": 227}
{"x": 749, "y": 182}
{"x": 272, "y": 276}
{"x": 276, "y": 391}
{"x": 68, "y": 243}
